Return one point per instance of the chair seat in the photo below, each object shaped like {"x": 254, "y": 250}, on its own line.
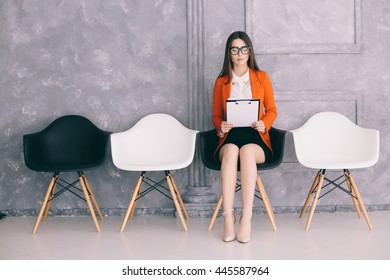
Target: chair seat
{"x": 74, "y": 167}
{"x": 139, "y": 166}
{"x": 332, "y": 165}
{"x": 209, "y": 141}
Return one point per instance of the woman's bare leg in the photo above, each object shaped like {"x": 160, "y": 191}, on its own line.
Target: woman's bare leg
{"x": 250, "y": 155}
{"x": 229, "y": 158}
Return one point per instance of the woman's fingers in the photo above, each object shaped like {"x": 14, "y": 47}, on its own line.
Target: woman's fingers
{"x": 226, "y": 126}
{"x": 259, "y": 126}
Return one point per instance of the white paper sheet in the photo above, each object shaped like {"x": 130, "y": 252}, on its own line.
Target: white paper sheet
{"x": 242, "y": 112}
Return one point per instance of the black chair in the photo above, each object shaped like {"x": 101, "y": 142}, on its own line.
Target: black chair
{"x": 208, "y": 144}
{"x": 69, "y": 144}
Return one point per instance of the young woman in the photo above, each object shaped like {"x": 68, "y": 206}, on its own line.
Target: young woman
{"x": 241, "y": 78}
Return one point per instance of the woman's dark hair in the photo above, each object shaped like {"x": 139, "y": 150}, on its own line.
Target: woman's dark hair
{"x": 228, "y": 64}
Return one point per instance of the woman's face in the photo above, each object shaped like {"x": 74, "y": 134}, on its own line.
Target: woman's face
{"x": 239, "y": 53}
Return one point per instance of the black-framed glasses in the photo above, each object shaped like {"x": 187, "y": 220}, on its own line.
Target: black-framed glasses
{"x": 236, "y": 50}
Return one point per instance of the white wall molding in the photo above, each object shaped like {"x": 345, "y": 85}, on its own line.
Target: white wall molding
{"x": 304, "y": 26}
{"x": 301, "y": 105}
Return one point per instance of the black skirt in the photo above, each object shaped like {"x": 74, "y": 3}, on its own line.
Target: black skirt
{"x": 241, "y": 136}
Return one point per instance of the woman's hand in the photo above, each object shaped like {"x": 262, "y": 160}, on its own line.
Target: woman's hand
{"x": 259, "y": 126}
{"x": 225, "y": 127}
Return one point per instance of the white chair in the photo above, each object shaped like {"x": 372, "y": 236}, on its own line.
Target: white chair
{"x": 329, "y": 140}
{"x": 158, "y": 142}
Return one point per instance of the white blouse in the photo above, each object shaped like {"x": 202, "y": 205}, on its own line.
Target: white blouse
{"x": 241, "y": 87}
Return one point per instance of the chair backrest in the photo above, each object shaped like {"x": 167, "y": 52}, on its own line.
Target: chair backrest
{"x": 70, "y": 143}
{"x": 209, "y": 142}
{"x": 329, "y": 140}
{"x": 156, "y": 142}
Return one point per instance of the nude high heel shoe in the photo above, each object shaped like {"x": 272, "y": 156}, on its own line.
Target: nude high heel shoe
{"x": 228, "y": 237}
{"x": 244, "y": 233}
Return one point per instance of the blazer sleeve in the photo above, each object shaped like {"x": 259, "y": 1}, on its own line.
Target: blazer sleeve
{"x": 218, "y": 110}
{"x": 269, "y": 103}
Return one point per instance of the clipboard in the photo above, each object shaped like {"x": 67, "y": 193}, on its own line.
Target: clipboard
{"x": 242, "y": 112}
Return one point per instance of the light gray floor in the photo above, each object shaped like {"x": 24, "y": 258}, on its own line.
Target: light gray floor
{"x": 331, "y": 236}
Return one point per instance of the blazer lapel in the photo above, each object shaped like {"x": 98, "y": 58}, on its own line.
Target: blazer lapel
{"x": 255, "y": 84}
{"x": 226, "y": 88}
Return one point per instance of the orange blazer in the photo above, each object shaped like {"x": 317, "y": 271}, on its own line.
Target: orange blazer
{"x": 261, "y": 89}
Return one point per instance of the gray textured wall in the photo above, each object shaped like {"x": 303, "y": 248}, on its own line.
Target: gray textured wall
{"x": 116, "y": 61}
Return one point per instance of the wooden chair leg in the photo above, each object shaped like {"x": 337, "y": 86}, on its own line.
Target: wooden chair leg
{"x": 357, "y": 193}
{"x": 265, "y": 196}
{"x": 93, "y": 198}
{"x": 266, "y": 202}
{"x": 135, "y": 202}
{"x": 177, "y": 204}
{"x": 353, "y": 195}
{"x": 132, "y": 200}
{"x": 315, "y": 182}
{"x": 89, "y": 203}
{"x": 43, "y": 206}
{"x": 216, "y": 210}
{"x": 313, "y": 206}
{"x": 179, "y": 196}
{"x": 50, "y": 200}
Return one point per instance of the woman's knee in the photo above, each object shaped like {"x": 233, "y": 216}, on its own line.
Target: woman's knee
{"x": 252, "y": 152}
{"x": 229, "y": 152}
{"x": 247, "y": 152}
